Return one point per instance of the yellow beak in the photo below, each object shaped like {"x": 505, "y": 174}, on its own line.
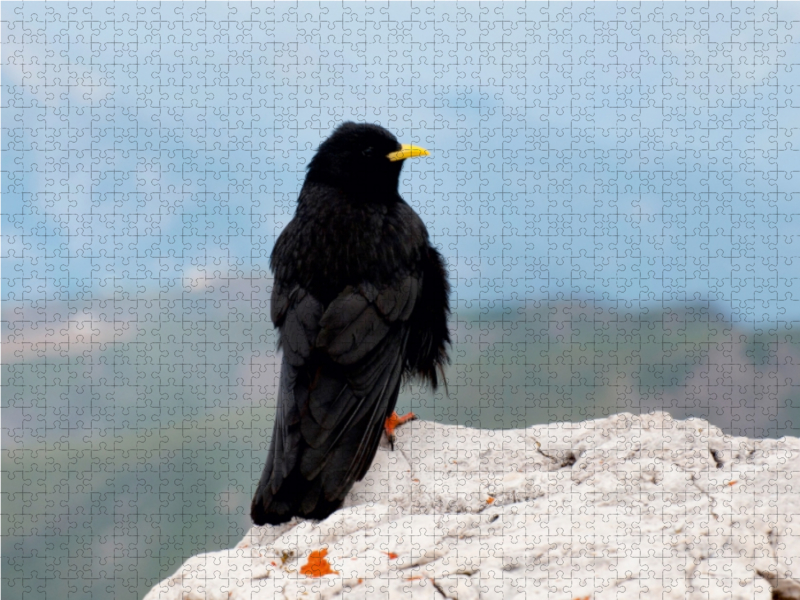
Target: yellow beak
{"x": 407, "y": 151}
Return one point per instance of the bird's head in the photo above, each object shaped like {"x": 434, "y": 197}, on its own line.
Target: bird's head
{"x": 362, "y": 159}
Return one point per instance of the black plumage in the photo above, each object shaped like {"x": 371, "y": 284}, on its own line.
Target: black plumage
{"x": 360, "y": 300}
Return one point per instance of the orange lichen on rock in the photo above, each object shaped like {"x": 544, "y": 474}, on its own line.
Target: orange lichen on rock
{"x": 391, "y": 555}
{"x": 489, "y": 500}
{"x": 317, "y": 565}
{"x": 733, "y": 482}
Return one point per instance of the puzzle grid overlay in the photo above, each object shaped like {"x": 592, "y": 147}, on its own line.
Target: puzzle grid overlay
{"x": 612, "y": 186}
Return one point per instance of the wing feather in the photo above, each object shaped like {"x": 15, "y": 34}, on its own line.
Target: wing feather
{"x": 340, "y": 378}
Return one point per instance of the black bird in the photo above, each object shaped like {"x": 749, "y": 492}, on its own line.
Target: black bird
{"x": 360, "y": 300}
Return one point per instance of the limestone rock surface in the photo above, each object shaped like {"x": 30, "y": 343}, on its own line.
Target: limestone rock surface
{"x": 623, "y": 507}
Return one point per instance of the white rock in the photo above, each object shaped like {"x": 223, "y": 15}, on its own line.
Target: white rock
{"x": 623, "y": 507}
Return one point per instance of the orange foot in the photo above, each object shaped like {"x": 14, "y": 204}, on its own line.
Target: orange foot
{"x": 393, "y": 422}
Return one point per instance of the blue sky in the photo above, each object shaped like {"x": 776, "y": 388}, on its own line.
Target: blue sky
{"x": 621, "y": 152}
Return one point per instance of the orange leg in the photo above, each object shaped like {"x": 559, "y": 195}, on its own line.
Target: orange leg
{"x": 393, "y": 422}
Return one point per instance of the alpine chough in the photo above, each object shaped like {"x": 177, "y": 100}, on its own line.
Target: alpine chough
{"x": 360, "y": 301}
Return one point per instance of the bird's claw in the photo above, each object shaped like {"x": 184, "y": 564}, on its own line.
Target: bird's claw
{"x": 393, "y": 422}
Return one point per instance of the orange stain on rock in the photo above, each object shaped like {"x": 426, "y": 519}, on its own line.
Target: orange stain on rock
{"x": 391, "y": 555}
{"x": 733, "y": 482}
{"x": 489, "y": 500}
{"x": 317, "y": 565}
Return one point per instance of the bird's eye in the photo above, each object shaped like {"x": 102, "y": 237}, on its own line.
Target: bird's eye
{"x": 367, "y": 152}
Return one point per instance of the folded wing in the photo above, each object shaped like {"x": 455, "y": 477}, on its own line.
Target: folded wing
{"x": 340, "y": 378}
